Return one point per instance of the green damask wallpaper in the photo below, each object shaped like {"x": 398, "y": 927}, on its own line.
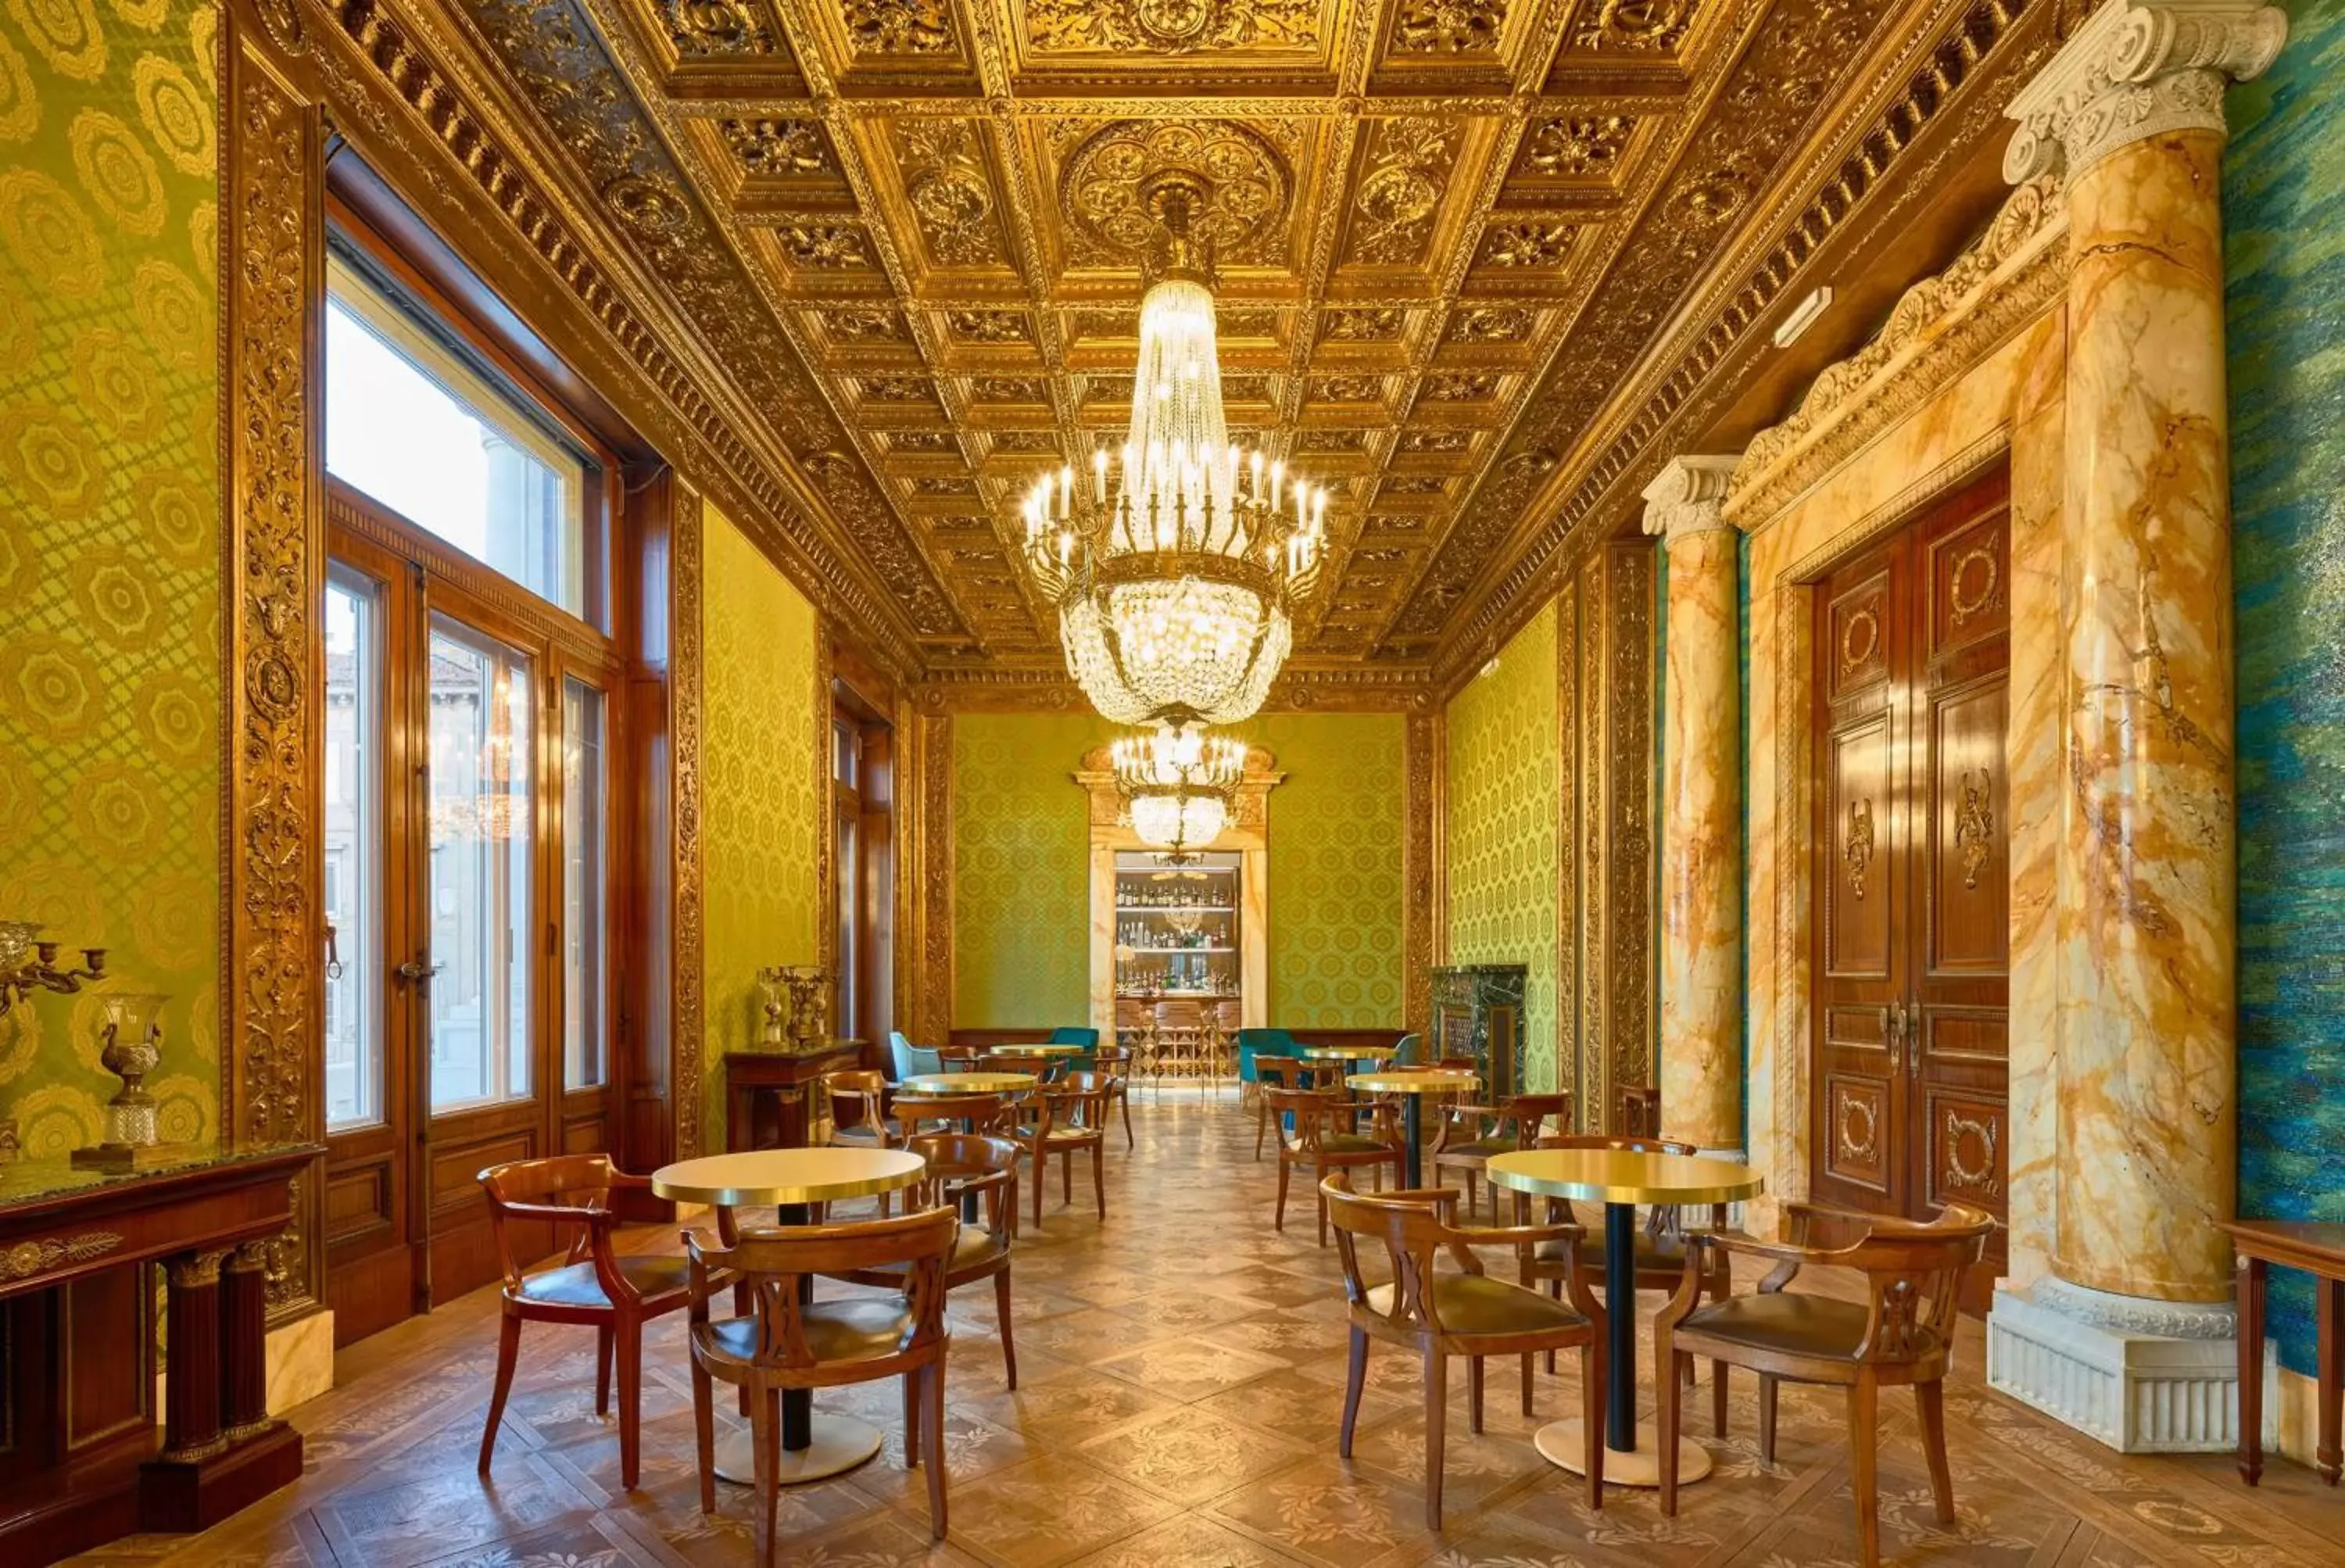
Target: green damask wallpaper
{"x": 109, "y": 550}
{"x": 1336, "y": 869}
{"x": 1021, "y": 846}
{"x": 1505, "y": 796}
{"x": 761, "y": 810}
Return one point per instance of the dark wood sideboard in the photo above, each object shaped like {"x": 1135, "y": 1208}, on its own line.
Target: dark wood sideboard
{"x": 770, "y": 1095}
{"x": 82, "y": 1461}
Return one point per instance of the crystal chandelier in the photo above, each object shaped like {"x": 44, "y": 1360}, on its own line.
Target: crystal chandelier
{"x": 1177, "y": 567}
{"x": 1177, "y": 784}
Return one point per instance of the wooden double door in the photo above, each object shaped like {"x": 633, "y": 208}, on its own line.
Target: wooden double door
{"x": 1911, "y": 1068}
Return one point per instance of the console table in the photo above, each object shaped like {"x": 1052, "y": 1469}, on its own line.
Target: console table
{"x": 2317, "y": 1247}
{"x": 85, "y": 1465}
{"x": 768, "y": 1095}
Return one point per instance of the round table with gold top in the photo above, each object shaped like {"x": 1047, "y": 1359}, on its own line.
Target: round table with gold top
{"x": 1415, "y": 1082}
{"x": 965, "y": 1083}
{"x": 814, "y": 1447}
{"x": 1621, "y": 1179}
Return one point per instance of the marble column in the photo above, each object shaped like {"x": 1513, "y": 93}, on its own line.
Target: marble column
{"x": 2130, "y": 1328}
{"x": 1702, "y": 810}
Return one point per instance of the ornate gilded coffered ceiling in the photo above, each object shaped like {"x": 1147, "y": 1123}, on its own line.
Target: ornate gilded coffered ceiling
{"x": 1481, "y": 259}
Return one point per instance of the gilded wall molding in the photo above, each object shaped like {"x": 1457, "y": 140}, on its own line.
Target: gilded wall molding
{"x": 1569, "y": 990}
{"x": 2013, "y": 272}
{"x": 272, "y": 533}
{"x": 1424, "y": 753}
{"x": 932, "y": 947}
{"x": 688, "y": 926}
{"x": 1616, "y": 862}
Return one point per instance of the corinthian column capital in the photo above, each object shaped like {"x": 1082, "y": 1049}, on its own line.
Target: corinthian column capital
{"x": 2138, "y": 68}
{"x": 1688, "y": 495}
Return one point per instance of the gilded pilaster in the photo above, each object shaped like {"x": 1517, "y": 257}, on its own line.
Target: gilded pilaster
{"x": 1701, "y": 795}
{"x": 2132, "y": 110}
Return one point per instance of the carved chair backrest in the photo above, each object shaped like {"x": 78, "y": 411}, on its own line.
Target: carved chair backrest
{"x": 1912, "y": 1272}
{"x": 572, "y": 1192}
{"x": 772, "y": 1264}
{"x": 1411, "y": 1229}
{"x": 962, "y": 1163}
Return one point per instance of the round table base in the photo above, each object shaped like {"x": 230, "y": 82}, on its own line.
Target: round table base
{"x": 840, "y": 1443}
{"x": 1565, "y": 1443}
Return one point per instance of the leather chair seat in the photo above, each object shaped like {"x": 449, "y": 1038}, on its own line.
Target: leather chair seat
{"x": 835, "y": 1331}
{"x": 1781, "y": 1321}
{"x": 575, "y": 1285}
{"x": 1354, "y": 1143}
{"x": 862, "y": 1135}
{"x": 1481, "y": 1149}
{"x": 1060, "y": 1135}
{"x": 1477, "y": 1304}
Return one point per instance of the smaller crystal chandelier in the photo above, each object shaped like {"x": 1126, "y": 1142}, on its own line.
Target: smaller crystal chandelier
{"x": 1177, "y": 784}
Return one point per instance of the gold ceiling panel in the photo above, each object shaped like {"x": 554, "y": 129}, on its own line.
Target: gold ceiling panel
{"x": 910, "y": 232}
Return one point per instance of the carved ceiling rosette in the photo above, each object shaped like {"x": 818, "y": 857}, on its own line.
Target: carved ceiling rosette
{"x": 1170, "y": 26}
{"x": 1400, "y": 189}
{"x": 945, "y": 184}
{"x": 1241, "y": 213}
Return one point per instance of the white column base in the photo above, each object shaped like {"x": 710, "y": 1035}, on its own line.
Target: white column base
{"x": 2142, "y": 1376}
{"x": 1737, "y": 1213}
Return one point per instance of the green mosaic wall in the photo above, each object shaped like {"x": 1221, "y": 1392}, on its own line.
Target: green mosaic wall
{"x": 1021, "y": 846}
{"x": 109, "y": 548}
{"x": 1505, "y": 796}
{"x": 761, "y": 807}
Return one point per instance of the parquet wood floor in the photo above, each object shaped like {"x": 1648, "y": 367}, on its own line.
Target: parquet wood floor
{"x": 1181, "y": 1371}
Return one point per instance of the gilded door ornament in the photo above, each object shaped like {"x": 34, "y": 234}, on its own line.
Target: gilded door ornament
{"x": 1975, "y": 582}
{"x": 1448, "y": 26}
{"x": 1974, "y": 825}
{"x": 1856, "y": 849}
{"x": 1859, "y": 1149}
{"x": 1980, "y": 1131}
{"x": 1859, "y": 639}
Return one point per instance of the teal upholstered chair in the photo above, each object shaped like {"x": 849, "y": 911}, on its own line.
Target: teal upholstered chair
{"x": 1068, "y": 1034}
{"x": 911, "y": 1061}
{"x": 1253, "y": 1043}
{"x": 1407, "y": 1049}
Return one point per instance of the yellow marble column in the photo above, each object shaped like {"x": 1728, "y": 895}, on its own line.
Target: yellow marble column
{"x": 1702, "y": 810}
{"x": 2131, "y": 112}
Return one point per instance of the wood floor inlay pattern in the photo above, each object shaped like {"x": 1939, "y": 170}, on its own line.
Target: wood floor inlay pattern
{"x": 1181, "y": 1377}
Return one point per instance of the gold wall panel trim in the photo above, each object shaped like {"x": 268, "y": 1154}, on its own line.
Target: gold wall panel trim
{"x": 1425, "y": 749}
{"x": 272, "y": 283}
{"x": 688, "y": 948}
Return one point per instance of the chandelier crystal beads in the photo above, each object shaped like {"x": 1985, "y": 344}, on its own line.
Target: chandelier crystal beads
{"x": 1177, "y": 563}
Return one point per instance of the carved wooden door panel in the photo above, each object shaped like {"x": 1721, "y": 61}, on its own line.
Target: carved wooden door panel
{"x": 1909, "y": 1095}
{"x": 1957, "y": 1061}
{"x": 1858, "y": 1095}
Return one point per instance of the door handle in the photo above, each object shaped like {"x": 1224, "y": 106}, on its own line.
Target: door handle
{"x": 1913, "y": 1033}
{"x": 1892, "y": 1033}
{"x": 415, "y": 974}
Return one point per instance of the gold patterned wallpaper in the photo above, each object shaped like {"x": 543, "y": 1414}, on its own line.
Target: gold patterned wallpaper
{"x": 1021, "y": 846}
{"x": 1020, "y": 841}
{"x": 1504, "y": 795}
{"x": 109, "y": 555}
{"x": 761, "y": 816}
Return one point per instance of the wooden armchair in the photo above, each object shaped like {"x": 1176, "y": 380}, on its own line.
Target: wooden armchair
{"x": 1442, "y": 1315}
{"x": 1469, "y": 1134}
{"x": 1319, "y": 1142}
{"x": 789, "y": 1343}
{"x": 614, "y": 1294}
{"x": 979, "y": 1174}
{"x": 1902, "y": 1333}
{"x": 1115, "y": 1063}
{"x": 914, "y": 1113}
{"x": 1065, "y": 1117}
{"x": 1286, "y": 1073}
